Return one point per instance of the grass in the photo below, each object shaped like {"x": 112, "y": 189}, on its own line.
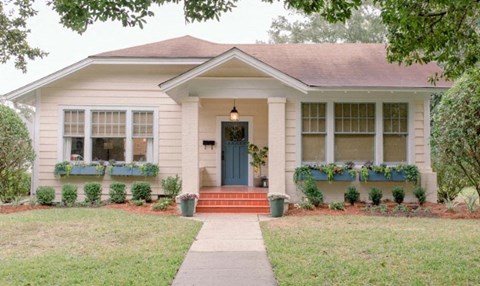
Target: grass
{"x": 92, "y": 247}
{"x": 354, "y": 250}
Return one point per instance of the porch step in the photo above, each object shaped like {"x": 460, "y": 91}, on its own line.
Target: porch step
{"x": 233, "y": 202}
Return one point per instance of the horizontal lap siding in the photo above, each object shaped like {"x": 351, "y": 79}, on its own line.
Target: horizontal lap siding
{"x": 107, "y": 87}
{"x": 419, "y": 148}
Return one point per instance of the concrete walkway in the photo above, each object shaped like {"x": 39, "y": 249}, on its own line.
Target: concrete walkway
{"x": 228, "y": 250}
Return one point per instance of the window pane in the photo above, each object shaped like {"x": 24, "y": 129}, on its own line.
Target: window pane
{"x": 74, "y": 122}
{"x": 143, "y": 149}
{"x": 313, "y": 148}
{"x": 108, "y": 123}
{"x": 395, "y": 148}
{"x": 142, "y": 124}
{"x": 355, "y": 118}
{"x": 108, "y": 148}
{"x": 395, "y": 117}
{"x": 358, "y": 148}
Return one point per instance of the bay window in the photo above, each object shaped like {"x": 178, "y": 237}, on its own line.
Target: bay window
{"x": 354, "y": 132}
{"x": 313, "y": 132}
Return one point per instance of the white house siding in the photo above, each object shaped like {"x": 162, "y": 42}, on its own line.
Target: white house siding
{"x": 116, "y": 86}
{"x": 419, "y": 135}
{"x": 210, "y": 111}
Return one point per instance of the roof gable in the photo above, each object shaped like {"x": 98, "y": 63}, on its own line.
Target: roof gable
{"x": 233, "y": 54}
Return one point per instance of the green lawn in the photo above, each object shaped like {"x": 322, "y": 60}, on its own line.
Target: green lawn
{"x": 355, "y": 250}
{"x": 92, "y": 247}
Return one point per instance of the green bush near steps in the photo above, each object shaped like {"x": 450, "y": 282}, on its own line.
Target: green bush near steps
{"x": 375, "y": 195}
{"x": 141, "y": 191}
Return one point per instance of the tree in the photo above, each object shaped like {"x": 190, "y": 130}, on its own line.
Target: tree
{"x": 364, "y": 26}
{"x": 418, "y": 31}
{"x": 456, "y": 132}
{"x": 16, "y": 154}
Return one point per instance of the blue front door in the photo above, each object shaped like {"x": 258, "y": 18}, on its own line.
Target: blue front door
{"x": 234, "y": 153}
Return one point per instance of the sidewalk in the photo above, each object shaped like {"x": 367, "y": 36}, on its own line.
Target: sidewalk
{"x": 228, "y": 250}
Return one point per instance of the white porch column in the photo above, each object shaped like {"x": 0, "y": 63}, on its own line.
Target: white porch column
{"x": 190, "y": 171}
{"x": 276, "y": 144}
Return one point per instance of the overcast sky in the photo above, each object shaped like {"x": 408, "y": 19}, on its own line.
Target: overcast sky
{"x": 245, "y": 24}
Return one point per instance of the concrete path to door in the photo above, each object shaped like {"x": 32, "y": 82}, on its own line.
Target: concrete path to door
{"x": 228, "y": 250}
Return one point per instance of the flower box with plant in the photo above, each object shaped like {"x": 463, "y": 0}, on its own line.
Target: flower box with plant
{"x": 133, "y": 169}
{"x": 68, "y": 169}
{"x": 259, "y": 155}
{"x": 384, "y": 173}
{"x": 187, "y": 203}
{"x": 330, "y": 172}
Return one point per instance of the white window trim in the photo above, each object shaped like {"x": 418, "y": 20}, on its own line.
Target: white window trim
{"x": 88, "y": 129}
{"x": 331, "y": 99}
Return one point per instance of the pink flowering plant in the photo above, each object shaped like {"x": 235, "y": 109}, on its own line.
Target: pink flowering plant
{"x": 187, "y": 196}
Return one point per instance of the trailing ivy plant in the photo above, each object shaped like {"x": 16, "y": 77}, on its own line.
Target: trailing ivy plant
{"x": 411, "y": 172}
{"x": 304, "y": 172}
{"x": 149, "y": 169}
{"x": 62, "y": 168}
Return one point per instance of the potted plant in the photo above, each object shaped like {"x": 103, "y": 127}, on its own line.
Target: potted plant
{"x": 258, "y": 160}
{"x": 277, "y": 202}
{"x": 187, "y": 203}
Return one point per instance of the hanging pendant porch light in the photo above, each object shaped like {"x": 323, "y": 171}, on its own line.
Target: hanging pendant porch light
{"x": 234, "y": 116}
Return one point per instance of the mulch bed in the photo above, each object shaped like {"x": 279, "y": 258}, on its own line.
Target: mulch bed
{"x": 427, "y": 210}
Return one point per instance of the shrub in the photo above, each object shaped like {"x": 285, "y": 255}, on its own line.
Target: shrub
{"x": 93, "y": 192}
{"x": 471, "y": 202}
{"x": 172, "y": 186}
{"x": 137, "y": 202}
{"x": 336, "y": 206}
{"x": 311, "y": 191}
{"x": 69, "y": 194}
{"x": 398, "y": 194}
{"x": 420, "y": 194}
{"x": 141, "y": 191}
{"x": 352, "y": 195}
{"x": 450, "y": 204}
{"x": 307, "y": 205}
{"x": 162, "y": 204}
{"x": 45, "y": 195}
{"x": 117, "y": 192}
{"x": 375, "y": 196}
{"x": 16, "y": 155}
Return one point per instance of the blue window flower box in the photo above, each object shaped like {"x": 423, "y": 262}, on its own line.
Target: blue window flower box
{"x": 87, "y": 171}
{"x": 133, "y": 171}
{"x": 395, "y": 176}
{"x": 343, "y": 177}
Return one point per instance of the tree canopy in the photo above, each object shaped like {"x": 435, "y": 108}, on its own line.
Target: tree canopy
{"x": 364, "y": 26}
{"x": 456, "y": 133}
{"x": 418, "y": 31}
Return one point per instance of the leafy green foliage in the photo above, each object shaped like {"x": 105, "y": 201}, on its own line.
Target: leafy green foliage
{"x": 306, "y": 205}
{"x": 93, "y": 192}
{"x": 16, "y": 152}
{"x": 336, "y": 206}
{"x": 172, "y": 186}
{"x": 162, "y": 204}
{"x": 117, "y": 192}
{"x": 375, "y": 195}
{"x": 471, "y": 202}
{"x": 45, "y": 195}
{"x": 137, "y": 203}
{"x": 398, "y": 194}
{"x": 364, "y": 26}
{"x": 149, "y": 169}
{"x": 311, "y": 192}
{"x": 352, "y": 195}
{"x": 141, "y": 191}
{"x": 259, "y": 156}
{"x": 456, "y": 134}
{"x": 69, "y": 194}
{"x": 420, "y": 194}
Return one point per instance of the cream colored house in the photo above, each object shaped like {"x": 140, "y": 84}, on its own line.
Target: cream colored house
{"x": 167, "y": 102}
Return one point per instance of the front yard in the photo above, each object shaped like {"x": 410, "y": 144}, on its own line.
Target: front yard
{"x": 359, "y": 250}
{"x": 92, "y": 247}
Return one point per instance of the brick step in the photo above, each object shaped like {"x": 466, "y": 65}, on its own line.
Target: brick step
{"x": 233, "y": 195}
{"x": 233, "y": 209}
{"x": 233, "y": 202}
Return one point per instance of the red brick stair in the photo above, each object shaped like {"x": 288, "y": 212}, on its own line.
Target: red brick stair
{"x": 233, "y": 202}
